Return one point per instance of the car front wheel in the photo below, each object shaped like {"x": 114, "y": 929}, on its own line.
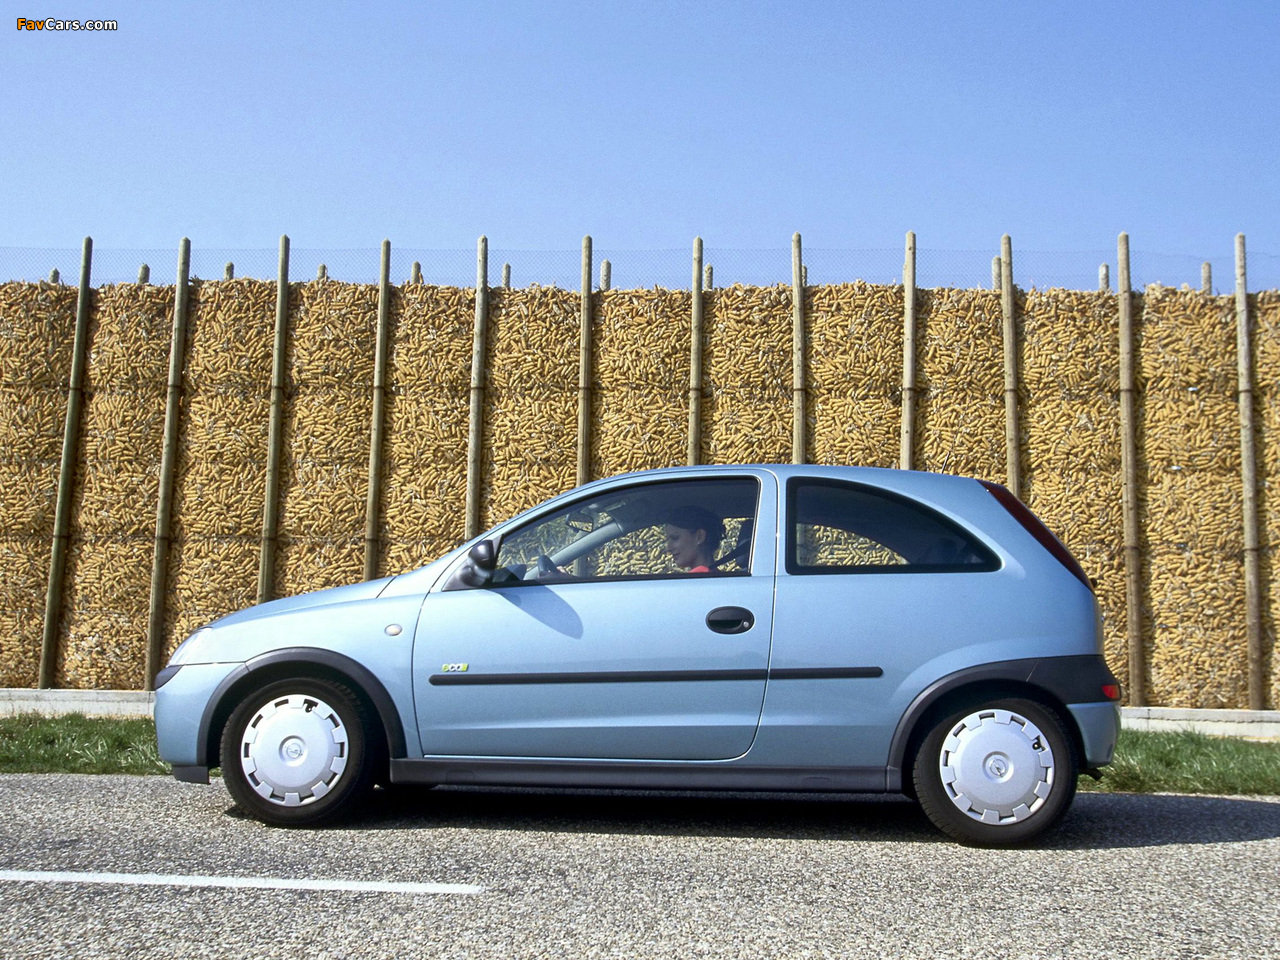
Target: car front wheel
{"x": 996, "y": 774}
{"x": 297, "y": 752}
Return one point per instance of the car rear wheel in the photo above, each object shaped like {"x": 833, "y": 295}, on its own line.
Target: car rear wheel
{"x": 996, "y": 774}
{"x": 297, "y": 752}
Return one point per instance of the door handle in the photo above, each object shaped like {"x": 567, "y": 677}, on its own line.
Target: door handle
{"x": 731, "y": 620}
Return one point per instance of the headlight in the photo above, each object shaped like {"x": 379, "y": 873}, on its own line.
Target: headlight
{"x": 189, "y": 649}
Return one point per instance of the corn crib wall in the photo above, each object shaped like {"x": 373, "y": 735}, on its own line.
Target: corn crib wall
{"x": 94, "y": 626}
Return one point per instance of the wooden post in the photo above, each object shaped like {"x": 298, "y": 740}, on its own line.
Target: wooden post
{"x": 1249, "y": 476}
{"x": 1104, "y": 278}
{"x": 506, "y": 276}
{"x": 144, "y": 275}
{"x": 475, "y": 433}
{"x": 322, "y": 272}
{"x": 799, "y": 391}
{"x": 372, "y": 511}
{"x": 907, "y": 445}
{"x": 995, "y": 273}
{"x": 606, "y": 271}
{"x": 229, "y": 272}
{"x": 275, "y": 432}
{"x": 168, "y": 467}
{"x": 804, "y": 275}
{"x": 54, "y": 276}
{"x": 584, "y": 368}
{"x": 1206, "y": 278}
{"x": 66, "y": 475}
{"x": 706, "y": 281}
{"x": 696, "y": 327}
{"x": 1012, "y": 450}
{"x": 415, "y": 273}
{"x": 1129, "y": 466}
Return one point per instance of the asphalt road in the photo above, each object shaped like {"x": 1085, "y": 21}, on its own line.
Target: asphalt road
{"x": 622, "y": 875}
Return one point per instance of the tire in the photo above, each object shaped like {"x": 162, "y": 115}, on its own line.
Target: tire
{"x": 299, "y": 752}
{"x": 996, "y": 774}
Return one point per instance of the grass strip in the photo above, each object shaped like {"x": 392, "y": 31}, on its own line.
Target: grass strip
{"x": 74, "y": 743}
{"x": 1189, "y": 762}
{"x": 1183, "y": 762}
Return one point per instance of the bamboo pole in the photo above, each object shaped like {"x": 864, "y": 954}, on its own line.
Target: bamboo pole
{"x": 799, "y": 388}
{"x": 1129, "y": 466}
{"x": 275, "y": 432}
{"x": 506, "y": 276}
{"x": 584, "y": 368}
{"x": 995, "y": 273}
{"x": 168, "y": 467}
{"x": 1104, "y": 278}
{"x": 696, "y": 327}
{"x": 606, "y": 274}
{"x": 907, "y": 446}
{"x": 475, "y": 434}
{"x": 66, "y": 475}
{"x": 372, "y": 511}
{"x": 1206, "y": 277}
{"x": 707, "y": 276}
{"x": 1249, "y": 477}
{"x": 1012, "y": 447}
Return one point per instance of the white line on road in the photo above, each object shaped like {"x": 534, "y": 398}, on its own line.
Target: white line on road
{"x": 242, "y": 883}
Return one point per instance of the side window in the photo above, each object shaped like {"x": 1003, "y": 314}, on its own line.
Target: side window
{"x": 671, "y": 529}
{"x": 837, "y": 527}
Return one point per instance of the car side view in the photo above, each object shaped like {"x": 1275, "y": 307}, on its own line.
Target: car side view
{"x": 763, "y": 627}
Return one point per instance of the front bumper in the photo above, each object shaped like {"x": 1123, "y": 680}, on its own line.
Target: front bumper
{"x": 180, "y": 707}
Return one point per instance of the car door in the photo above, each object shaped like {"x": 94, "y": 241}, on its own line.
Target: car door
{"x": 614, "y": 653}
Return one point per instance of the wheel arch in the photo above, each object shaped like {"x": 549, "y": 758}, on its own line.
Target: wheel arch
{"x": 970, "y": 688}
{"x": 296, "y": 662}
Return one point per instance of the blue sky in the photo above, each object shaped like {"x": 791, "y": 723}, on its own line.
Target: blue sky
{"x": 645, "y": 124}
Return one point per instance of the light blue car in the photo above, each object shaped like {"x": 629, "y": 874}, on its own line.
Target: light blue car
{"x": 702, "y": 628}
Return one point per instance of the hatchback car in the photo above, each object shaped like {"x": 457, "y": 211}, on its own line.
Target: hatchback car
{"x": 752, "y": 628}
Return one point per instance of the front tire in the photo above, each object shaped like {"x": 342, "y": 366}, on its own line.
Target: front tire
{"x": 997, "y": 774}
{"x": 297, "y": 752}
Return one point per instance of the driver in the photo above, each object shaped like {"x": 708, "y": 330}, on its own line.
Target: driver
{"x": 693, "y": 537}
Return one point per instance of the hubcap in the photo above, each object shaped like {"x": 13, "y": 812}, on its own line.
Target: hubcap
{"x": 294, "y": 750}
{"x": 997, "y": 767}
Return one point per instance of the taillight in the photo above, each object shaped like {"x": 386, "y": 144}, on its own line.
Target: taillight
{"x": 1111, "y": 691}
{"x": 1038, "y": 530}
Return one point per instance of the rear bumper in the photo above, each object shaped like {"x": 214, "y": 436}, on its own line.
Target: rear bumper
{"x": 1099, "y": 726}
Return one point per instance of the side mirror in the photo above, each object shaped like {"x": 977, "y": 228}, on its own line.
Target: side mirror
{"x": 474, "y": 572}
{"x": 483, "y": 555}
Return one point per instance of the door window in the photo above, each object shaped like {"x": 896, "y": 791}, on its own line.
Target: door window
{"x": 676, "y": 529}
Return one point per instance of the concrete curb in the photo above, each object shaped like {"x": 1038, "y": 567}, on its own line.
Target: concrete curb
{"x": 1253, "y": 724}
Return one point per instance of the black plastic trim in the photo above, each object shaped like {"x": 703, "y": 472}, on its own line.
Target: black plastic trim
{"x": 637, "y": 775}
{"x": 826, "y": 673}
{"x": 620, "y": 676}
{"x": 164, "y": 676}
{"x": 653, "y": 676}
{"x": 191, "y": 774}
{"x": 359, "y": 675}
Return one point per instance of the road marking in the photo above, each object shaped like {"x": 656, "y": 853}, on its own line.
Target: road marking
{"x": 238, "y": 883}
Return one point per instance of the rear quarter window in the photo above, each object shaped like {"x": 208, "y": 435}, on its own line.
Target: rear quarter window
{"x": 838, "y": 527}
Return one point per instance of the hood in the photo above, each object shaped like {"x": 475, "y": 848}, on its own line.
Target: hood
{"x": 365, "y": 590}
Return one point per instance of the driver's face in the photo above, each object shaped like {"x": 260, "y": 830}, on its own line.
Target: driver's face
{"x": 685, "y": 546}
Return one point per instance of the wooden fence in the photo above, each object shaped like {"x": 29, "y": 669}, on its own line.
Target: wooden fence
{"x": 178, "y": 452}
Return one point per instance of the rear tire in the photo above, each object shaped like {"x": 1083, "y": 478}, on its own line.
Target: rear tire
{"x": 298, "y": 752}
{"x": 997, "y": 774}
